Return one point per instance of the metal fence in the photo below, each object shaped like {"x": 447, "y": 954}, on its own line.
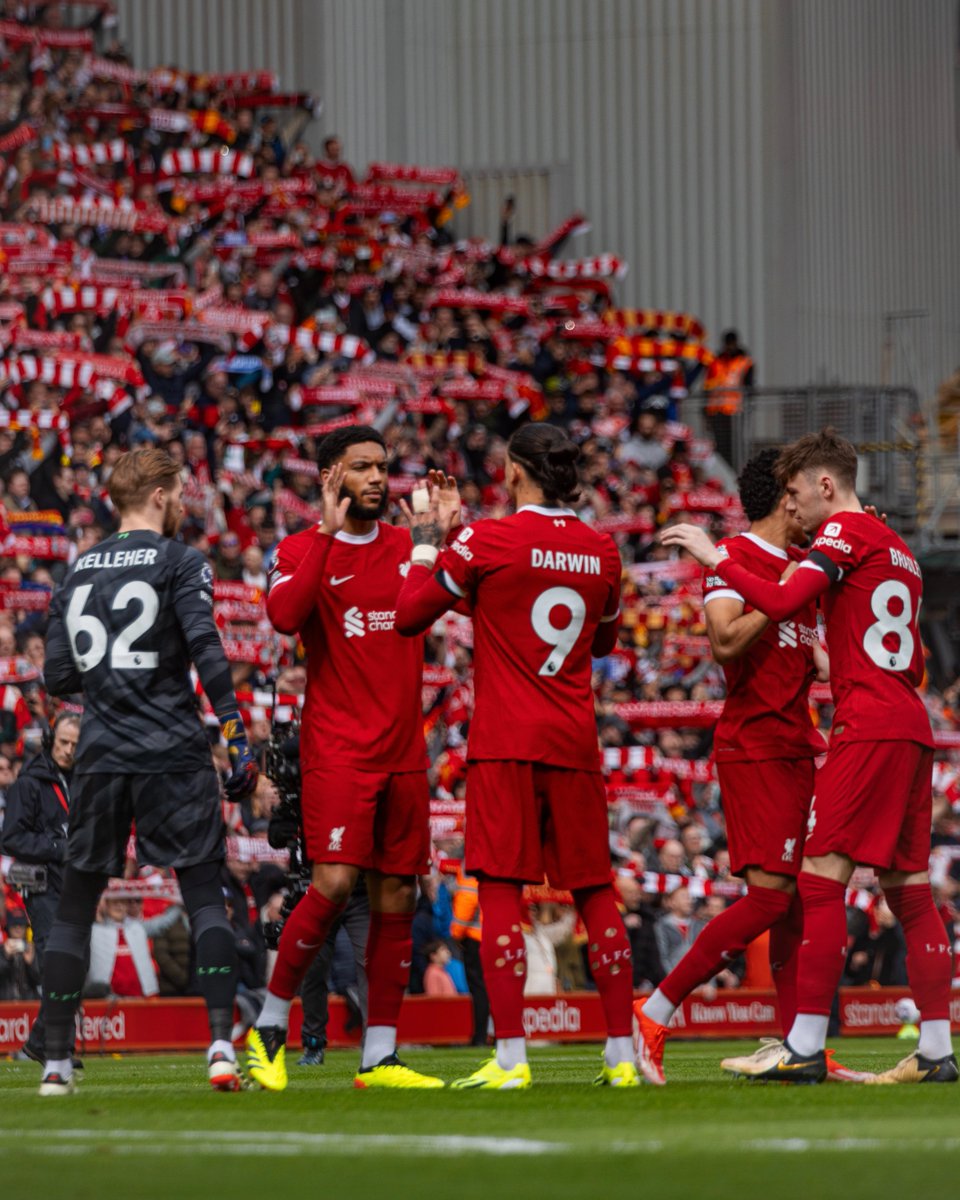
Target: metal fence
{"x": 904, "y": 469}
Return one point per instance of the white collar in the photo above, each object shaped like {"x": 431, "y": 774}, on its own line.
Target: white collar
{"x": 764, "y": 545}
{"x": 547, "y": 512}
{"x": 359, "y": 539}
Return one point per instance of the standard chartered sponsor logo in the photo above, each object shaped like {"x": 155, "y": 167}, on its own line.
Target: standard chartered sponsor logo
{"x": 353, "y": 625}
{"x": 357, "y": 623}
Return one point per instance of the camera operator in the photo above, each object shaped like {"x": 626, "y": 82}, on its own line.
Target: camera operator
{"x": 34, "y": 832}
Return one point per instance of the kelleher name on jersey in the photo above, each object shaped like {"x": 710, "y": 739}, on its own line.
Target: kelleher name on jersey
{"x": 558, "y": 560}
{"x": 142, "y": 556}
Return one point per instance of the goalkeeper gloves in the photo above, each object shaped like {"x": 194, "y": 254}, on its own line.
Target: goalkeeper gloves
{"x": 244, "y": 771}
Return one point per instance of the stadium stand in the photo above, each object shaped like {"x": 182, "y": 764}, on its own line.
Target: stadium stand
{"x": 178, "y": 269}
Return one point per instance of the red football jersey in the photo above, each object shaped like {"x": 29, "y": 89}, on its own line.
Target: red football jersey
{"x": 539, "y": 583}
{"x": 362, "y": 704}
{"x": 871, "y": 610}
{"x": 766, "y": 713}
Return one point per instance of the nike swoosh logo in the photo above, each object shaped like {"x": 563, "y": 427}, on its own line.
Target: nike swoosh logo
{"x": 335, "y": 581}
{"x": 404, "y": 965}
{"x": 304, "y": 946}
{"x": 782, "y": 1066}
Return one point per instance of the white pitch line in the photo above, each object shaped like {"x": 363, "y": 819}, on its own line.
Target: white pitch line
{"x": 285, "y": 1143}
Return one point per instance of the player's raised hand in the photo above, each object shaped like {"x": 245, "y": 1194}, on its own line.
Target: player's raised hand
{"x": 871, "y": 510}
{"x": 449, "y": 505}
{"x": 694, "y": 540}
{"x": 334, "y": 509}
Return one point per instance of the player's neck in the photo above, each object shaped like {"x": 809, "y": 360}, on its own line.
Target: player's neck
{"x": 773, "y": 530}
{"x": 358, "y": 528}
{"x": 528, "y": 493}
{"x": 133, "y": 522}
{"x": 843, "y": 504}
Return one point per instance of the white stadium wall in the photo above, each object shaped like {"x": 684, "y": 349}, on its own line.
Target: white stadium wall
{"x": 789, "y": 167}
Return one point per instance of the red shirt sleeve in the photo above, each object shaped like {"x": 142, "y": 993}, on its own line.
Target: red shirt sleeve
{"x": 422, "y": 599}
{"x": 295, "y": 581}
{"x": 777, "y": 600}
{"x": 605, "y": 637}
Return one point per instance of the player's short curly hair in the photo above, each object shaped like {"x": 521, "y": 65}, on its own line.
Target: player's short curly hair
{"x": 760, "y": 489}
{"x": 339, "y": 440}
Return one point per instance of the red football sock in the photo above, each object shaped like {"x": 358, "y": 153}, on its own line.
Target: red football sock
{"x": 503, "y": 954}
{"x": 725, "y": 938}
{"x": 823, "y": 949}
{"x": 929, "y": 960}
{"x": 610, "y": 958}
{"x": 305, "y": 932}
{"x": 785, "y": 939}
{"x": 389, "y": 949}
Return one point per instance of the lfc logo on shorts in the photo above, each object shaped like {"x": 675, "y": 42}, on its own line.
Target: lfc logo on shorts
{"x": 789, "y": 846}
{"x": 336, "y": 837}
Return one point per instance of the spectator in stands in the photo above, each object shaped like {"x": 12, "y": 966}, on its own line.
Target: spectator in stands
{"x": 437, "y": 980}
{"x": 172, "y": 955}
{"x": 19, "y": 968}
{"x": 121, "y": 961}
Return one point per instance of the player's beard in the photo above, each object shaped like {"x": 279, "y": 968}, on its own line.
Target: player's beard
{"x": 172, "y": 519}
{"x": 361, "y": 510}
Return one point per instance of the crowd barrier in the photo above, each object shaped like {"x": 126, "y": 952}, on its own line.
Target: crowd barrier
{"x": 118, "y": 1026}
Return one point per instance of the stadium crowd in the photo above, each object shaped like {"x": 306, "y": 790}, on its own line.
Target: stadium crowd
{"x": 180, "y": 270}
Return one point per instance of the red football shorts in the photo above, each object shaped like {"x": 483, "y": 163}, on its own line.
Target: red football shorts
{"x": 371, "y": 819}
{"x": 526, "y": 820}
{"x": 765, "y": 806}
{"x": 874, "y": 803}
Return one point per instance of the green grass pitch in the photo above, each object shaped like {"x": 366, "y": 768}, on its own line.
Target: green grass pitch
{"x": 150, "y": 1128}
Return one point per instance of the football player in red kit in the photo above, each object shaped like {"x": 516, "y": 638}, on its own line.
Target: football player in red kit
{"x": 873, "y": 795}
{"x": 363, "y": 760}
{"x": 765, "y": 745}
{"x": 544, "y": 590}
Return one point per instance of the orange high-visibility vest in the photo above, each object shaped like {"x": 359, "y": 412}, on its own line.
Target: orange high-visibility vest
{"x": 466, "y": 908}
{"x": 724, "y": 381}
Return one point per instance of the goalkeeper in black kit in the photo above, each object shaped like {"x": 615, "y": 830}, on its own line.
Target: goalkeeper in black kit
{"x": 128, "y": 620}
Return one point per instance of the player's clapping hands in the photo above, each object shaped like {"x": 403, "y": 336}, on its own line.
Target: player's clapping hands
{"x": 434, "y": 510}
{"x": 334, "y": 508}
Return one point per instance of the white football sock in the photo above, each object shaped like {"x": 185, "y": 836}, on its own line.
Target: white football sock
{"x": 380, "y": 1042}
{"x": 808, "y": 1034}
{"x": 275, "y": 1012}
{"x": 618, "y": 1050}
{"x": 935, "y": 1039}
{"x": 221, "y": 1047}
{"x": 511, "y": 1052}
{"x": 658, "y": 1008}
{"x": 59, "y": 1066}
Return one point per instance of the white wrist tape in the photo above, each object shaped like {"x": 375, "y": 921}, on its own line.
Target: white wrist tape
{"x": 424, "y": 556}
{"x": 420, "y": 500}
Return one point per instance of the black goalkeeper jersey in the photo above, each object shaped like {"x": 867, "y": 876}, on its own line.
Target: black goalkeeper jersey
{"x": 124, "y": 626}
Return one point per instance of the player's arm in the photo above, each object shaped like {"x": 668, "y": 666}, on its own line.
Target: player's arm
{"x": 778, "y": 600}
{"x": 731, "y": 630}
{"x": 193, "y": 606}
{"x": 60, "y": 674}
{"x": 294, "y": 585}
{"x": 425, "y": 596}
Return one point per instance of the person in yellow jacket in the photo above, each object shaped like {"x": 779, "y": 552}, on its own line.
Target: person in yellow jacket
{"x": 465, "y": 927}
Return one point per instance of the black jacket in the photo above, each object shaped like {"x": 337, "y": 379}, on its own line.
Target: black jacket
{"x": 35, "y": 822}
